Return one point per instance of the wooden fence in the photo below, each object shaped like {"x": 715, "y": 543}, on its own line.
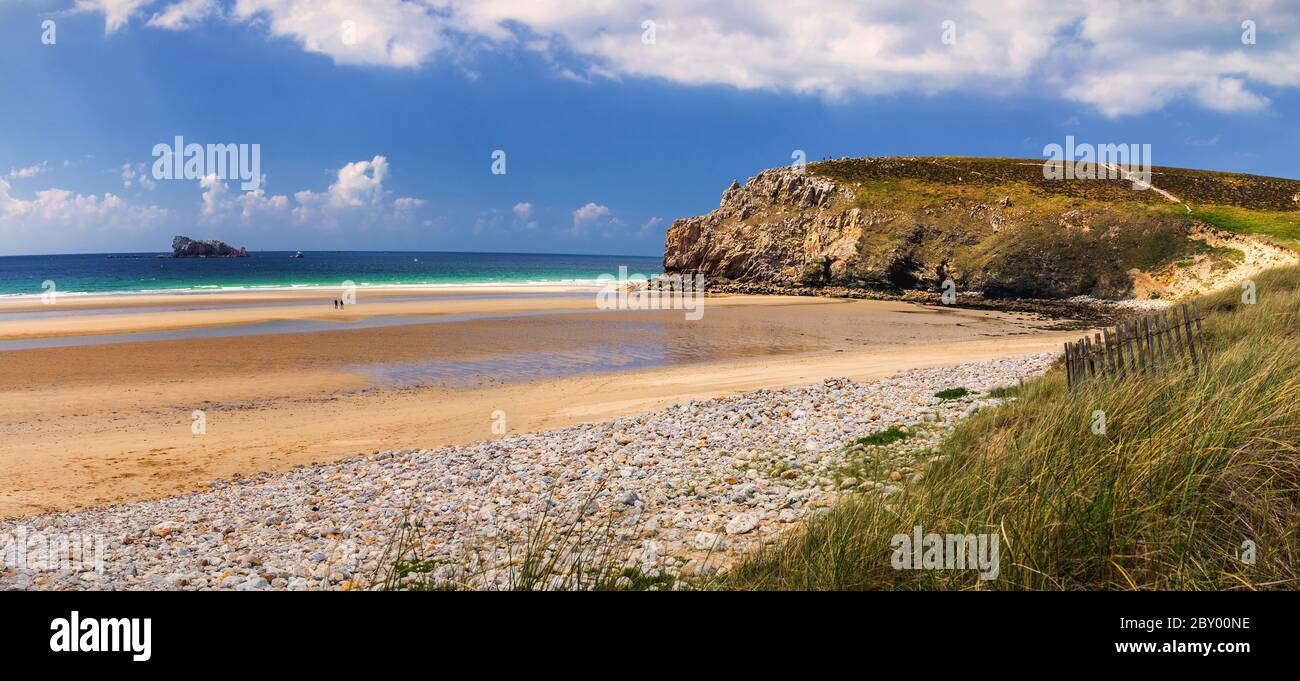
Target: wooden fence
{"x": 1142, "y": 345}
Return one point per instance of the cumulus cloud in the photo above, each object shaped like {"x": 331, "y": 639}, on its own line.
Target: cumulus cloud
{"x": 359, "y": 183}
{"x": 214, "y": 200}
{"x": 368, "y": 32}
{"x": 828, "y": 47}
{"x": 116, "y": 12}
{"x": 523, "y": 213}
{"x": 357, "y": 193}
{"x": 216, "y": 204}
{"x": 407, "y": 204}
{"x": 184, "y": 14}
{"x": 358, "y": 187}
{"x": 52, "y": 208}
{"x": 590, "y": 216}
{"x": 29, "y": 171}
{"x": 255, "y": 203}
{"x": 1101, "y": 54}
{"x": 136, "y": 173}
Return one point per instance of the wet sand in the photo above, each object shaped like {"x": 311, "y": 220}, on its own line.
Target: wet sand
{"x": 94, "y": 424}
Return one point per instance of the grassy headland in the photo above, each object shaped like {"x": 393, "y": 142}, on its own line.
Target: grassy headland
{"x": 992, "y": 226}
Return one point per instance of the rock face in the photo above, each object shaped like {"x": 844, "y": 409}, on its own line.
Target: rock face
{"x": 185, "y": 247}
{"x": 781, "y": 226}
{"x": 992, "y": 226}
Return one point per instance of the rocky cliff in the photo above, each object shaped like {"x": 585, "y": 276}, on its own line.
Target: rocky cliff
{"x": 993, "y": 226}
{"x": 185, "y": 247}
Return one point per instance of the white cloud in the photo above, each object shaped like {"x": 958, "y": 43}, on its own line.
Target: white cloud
{"x": 214, "y": 196}
{"x": 358, "y": 185}
{"x": 357, "y": 193}
{"x": 523, "y": 213}
{"x": 407, "y": 204}
{"x": 137, "y": 173}
{"x": 368, "y": 32}
{"x": 215, "y": 206}
{"x": 255, "y": 203}
{"x": 589, "y": 216}
{"x": 29, "y": 171}
{"x": 1101, "y": 54}
{"x": 116, "y": 12}
{"x": 184, "y": 14}
{"x": 52, "y": 208}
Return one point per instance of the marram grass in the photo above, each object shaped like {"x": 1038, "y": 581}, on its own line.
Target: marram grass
{"x": 1193, "y": 464}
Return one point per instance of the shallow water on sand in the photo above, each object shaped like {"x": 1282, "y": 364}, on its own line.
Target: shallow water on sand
{"x": 526, "y": 366}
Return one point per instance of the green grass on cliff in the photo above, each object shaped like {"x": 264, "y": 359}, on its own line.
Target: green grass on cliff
{"x": 1193, "y": 467}
{"x": 1280, "y": 227}
{"x": 1247, "y": 204}
{"x": 1196, "y": 187}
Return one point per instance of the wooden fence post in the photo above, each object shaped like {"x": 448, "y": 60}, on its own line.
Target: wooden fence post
{"x": 1151, "y": 342}
{"x": 1129, "y": 343}
{"x": 1110, "y": 350}
{"x": 1101, "y": 354}
{"x": 1205, "y": 352}
{"x": 1160, "y": 343}
{"x": 1119, "y": 349}
{"x": 1069, "y": 368}
{"x": 1191, "y": 340}
{"x": 1178, "y": 333}
{"x": 1141, "y": 343}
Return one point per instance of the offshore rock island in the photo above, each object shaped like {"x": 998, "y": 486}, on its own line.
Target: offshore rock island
{"x": 185, "y": 247}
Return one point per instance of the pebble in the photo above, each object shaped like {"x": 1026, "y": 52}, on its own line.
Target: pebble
{"x": 666, "y": 485}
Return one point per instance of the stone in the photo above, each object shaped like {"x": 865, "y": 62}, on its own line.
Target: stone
{"x": 706, "y": 541}
{"x": 743, "y": 523}
{"x": 166, "y": 529}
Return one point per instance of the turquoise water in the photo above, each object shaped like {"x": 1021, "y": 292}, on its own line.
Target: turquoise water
{"x": 122, "y": 273}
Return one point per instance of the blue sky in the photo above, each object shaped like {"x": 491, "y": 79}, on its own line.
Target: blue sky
{"x": 386, "y": 143}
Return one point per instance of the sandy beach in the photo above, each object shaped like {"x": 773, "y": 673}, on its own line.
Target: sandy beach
{"x": 113, "y": 421}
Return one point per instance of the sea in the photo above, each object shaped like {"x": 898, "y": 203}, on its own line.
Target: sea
{"x": 101, "y": 273}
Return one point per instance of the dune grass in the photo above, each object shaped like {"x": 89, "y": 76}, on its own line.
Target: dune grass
{"x": 1194, "y": 468}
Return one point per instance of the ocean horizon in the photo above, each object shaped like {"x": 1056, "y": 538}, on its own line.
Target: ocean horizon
{"x": 110, "y": 273}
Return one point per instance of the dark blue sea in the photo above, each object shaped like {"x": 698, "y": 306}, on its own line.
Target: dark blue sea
{"x": 127, "y": 272}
